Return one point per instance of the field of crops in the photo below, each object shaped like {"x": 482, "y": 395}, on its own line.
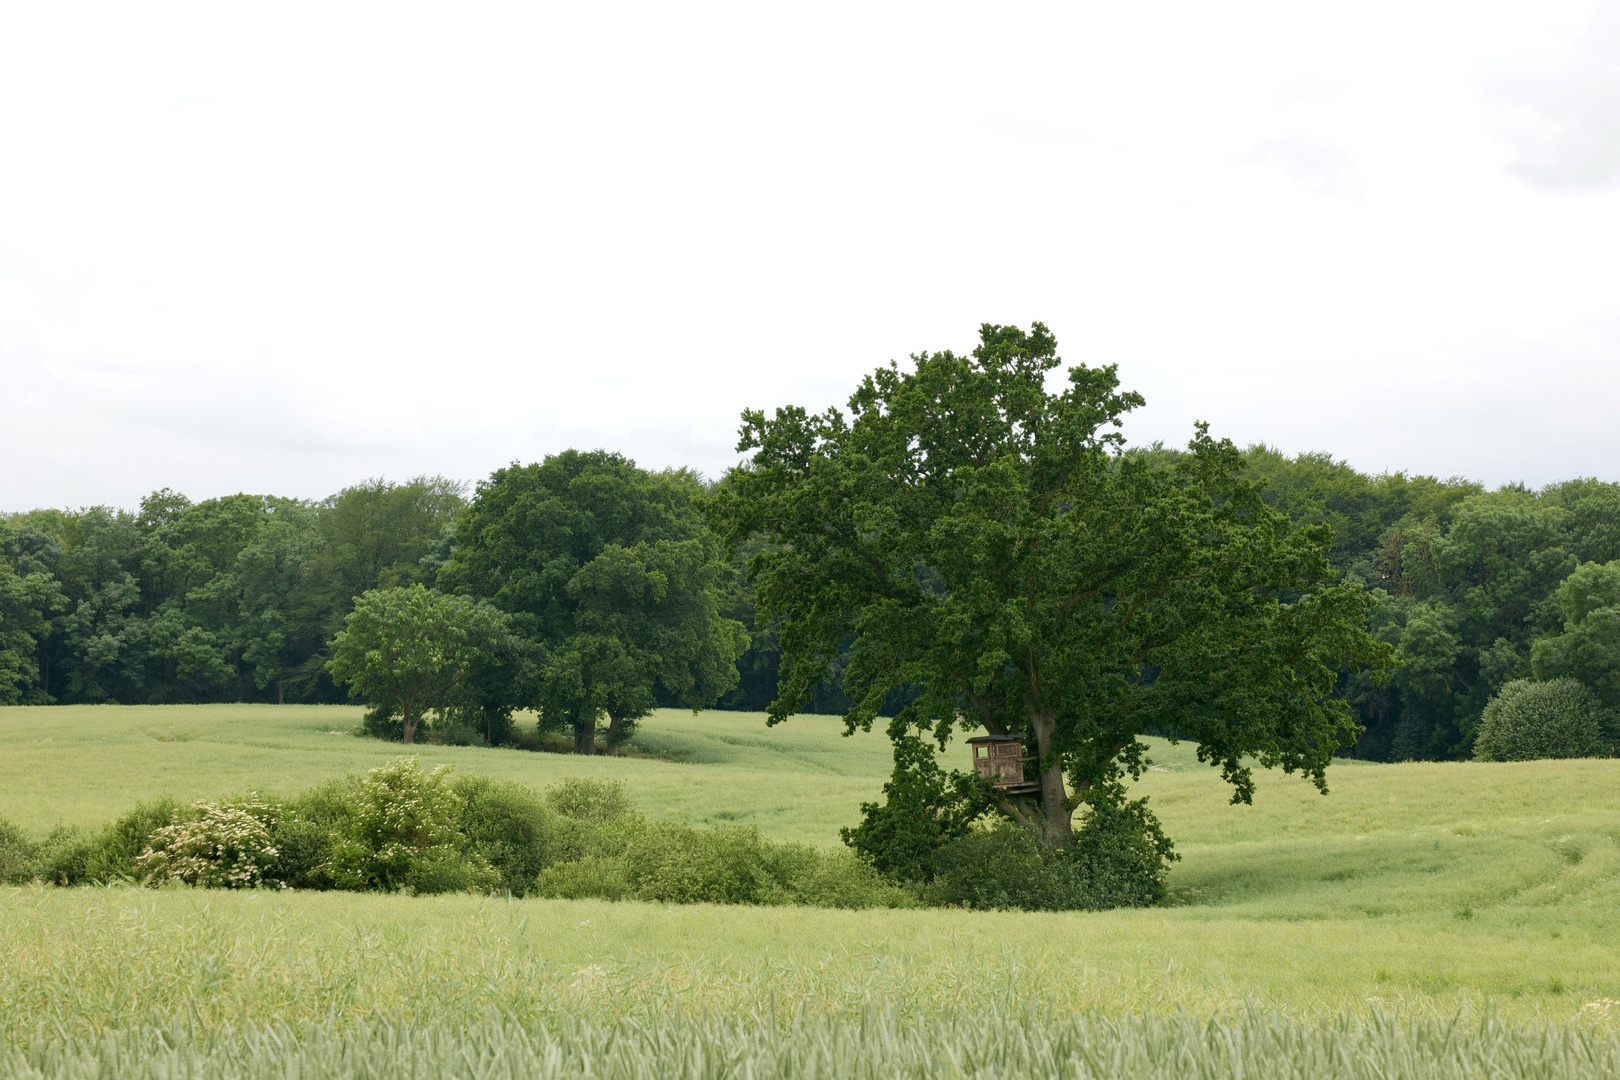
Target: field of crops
{"x": 1471, "y": 895}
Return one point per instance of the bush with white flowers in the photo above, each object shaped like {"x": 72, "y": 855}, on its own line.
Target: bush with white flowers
{"x": 219, "y": 846}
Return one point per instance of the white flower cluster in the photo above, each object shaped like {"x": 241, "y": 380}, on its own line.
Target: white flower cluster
{"x": 220, "y": 846}
{"x": 405, "y": 834}
{"x": 401, "y": 806}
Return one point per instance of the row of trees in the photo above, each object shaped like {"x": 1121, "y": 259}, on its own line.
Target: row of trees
{"x": 1473, "y": 590}
{"x": 232, "y": 599}
{"x": 582, "y": 588}
{"x": 611, "y": 593}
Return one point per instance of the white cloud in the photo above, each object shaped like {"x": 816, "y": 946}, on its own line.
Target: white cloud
{"x": 1319, "y": 167}
{"x": 1561, "y": 110}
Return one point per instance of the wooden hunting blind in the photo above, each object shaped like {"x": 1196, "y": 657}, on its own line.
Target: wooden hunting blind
{"x": 1000, "y": 760}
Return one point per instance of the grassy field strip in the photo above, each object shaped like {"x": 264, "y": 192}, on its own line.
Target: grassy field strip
{"x": 84, "y": 765}
{"x": 1430, "y": 889}
{"x": 878, "y": 1046}
{"x": 92, "y": 959}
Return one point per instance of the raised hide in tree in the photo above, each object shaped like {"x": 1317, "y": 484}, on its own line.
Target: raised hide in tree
{"x": 1000, "y": 760}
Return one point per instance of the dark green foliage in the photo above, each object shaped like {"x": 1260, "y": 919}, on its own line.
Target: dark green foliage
{"x": 1316, "y": 489}
{"x": 1465, "y": 583}
{"x": 1532, "y": 720}
{"x": 924, "y": 807}
{"x": 1118, "y": 857}
{"x": 1588, "y": 649}
{"x": 74, "y": 857}
{"x": 610, "y": 573}
{"x": 985, "y": 548}
{"x": 231, "y": 599}
{"x": 306, "y": 833}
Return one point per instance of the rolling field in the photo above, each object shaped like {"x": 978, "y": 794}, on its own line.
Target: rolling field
{"x": 1423, "y": 891}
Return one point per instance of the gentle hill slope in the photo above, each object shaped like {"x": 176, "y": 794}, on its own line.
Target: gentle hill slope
{"x": 1434, "y": 886}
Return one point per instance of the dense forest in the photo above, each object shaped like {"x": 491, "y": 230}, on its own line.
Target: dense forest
{"x": 238, "y": 598}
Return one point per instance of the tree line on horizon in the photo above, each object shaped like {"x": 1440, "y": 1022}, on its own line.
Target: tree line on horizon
{"x": 240, "y": 598}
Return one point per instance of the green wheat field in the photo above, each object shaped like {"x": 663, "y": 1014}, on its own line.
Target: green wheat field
{"x": 1421, "y": 920}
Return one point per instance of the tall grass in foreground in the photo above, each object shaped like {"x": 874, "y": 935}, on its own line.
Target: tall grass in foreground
{"x": 877, "y": 1045}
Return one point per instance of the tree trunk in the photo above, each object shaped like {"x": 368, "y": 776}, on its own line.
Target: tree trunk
{"x": 585, "y": 736}
{"x": 1054, "y": 796}
{"x": 281, "y": 692}
{"x": 615, "y": 731}
{"x": 410, "y": 727}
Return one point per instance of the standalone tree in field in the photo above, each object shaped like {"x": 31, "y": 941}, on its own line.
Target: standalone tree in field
{"x": 412, "y": 650}
{"x": 612, "y": 574}
{"x": 988, "y": 547}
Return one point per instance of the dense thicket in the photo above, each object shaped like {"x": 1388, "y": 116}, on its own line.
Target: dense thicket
{"x": 1468, "y": 584}
{"x": 236, "y": 599}
{"x": 231, "y": 599}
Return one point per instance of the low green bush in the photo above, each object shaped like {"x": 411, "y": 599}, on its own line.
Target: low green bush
{"x": 510, "y": 828}
{"x": 17, "y": 855}
{"x": 590, "y": 800}
{"x": 307, "y": 832}
{"x": 609, "y": 852}
{"x": 401, "y": 828}
{"x": 593, "y": 877}
{"x": 1527, "y": 721}
{"x": 842, "y": 879}
{"x": 403, "y": 833}
{"x": 75, "y": 857}
{"x": 1118, "y": 857}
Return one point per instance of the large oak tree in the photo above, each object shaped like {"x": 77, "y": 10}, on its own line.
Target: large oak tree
{"x": 965, "y": 536}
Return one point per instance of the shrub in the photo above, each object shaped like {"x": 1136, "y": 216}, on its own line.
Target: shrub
{"x": 217, "y": 845}
{"x": 510, "y": 828}
{"x": 924, "y": 808}
{"x": 842, "y": 879}
{"x": 1527, "y": 720}
{"x": 72, "y": 857}
{"x": 307, "y": 832}
{"x": 17, "y": 856}
{"x": 589, "y": 800}
{"x": 60, "y": 858}
{"x": 728, "y": 864}
{"x": 632, "y": 858}
{"x": 1118, "y": 857}
{"x": 593, "y": 877}
{"x": 1001, "y": 866}
{"x": 403, "y": 834}
{"x": 400, "y": 828}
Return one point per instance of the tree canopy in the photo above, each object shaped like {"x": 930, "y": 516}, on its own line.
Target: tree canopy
{"x": 413, "y": 650}
{"x": 229, "y": 599}
{"x": 611, "y": 572}
{"x": 989, "y": 548}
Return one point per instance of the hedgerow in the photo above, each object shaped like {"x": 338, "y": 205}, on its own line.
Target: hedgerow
{"x": 400, "y": 828}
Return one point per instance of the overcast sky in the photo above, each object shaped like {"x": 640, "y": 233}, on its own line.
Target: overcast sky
{"x": 284, "y": 251}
